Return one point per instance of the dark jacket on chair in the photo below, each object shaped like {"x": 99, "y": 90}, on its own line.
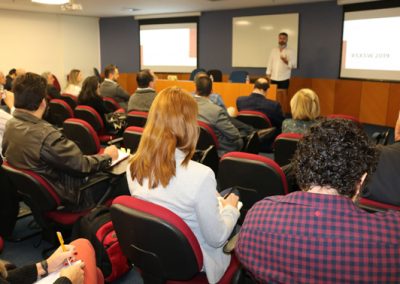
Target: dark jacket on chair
{"x": 34, "y": 144}
{"x": 258, "y": 102}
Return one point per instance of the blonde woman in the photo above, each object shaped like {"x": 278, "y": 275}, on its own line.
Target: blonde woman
{"x": 74, "y": 81}
{"x": 305, "y": 111}
{"x": 162, "y": 172}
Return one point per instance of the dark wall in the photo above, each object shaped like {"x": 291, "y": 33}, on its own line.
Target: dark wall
{"x": 319, "y": 39}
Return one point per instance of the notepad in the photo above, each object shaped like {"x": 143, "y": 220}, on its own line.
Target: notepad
{"x": 239, "y": 205}
{"x": 122, "y": 155}
{"x": 52, "y": 277}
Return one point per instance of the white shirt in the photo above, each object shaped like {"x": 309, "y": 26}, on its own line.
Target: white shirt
{"x": 192, "y": 195}
{"x": 4, "y": 117}
{"x": 279, "y": 70}
{"x": 72, "y": 90}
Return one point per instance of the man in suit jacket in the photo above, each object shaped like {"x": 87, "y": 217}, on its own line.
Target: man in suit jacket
{"x": 383, "y": 186}
{"x": 228, "y": 135}
{"x": 257, "y": 101}
{"x": 110, "y": 87}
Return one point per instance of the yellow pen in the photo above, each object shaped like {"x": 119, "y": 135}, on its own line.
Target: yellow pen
{"x": 61, "y": 240}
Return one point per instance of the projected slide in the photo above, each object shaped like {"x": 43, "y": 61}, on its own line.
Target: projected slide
{"x": 168, "y": 47}
{"x": 371, "y": 45}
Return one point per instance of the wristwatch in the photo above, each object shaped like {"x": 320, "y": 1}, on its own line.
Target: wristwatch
{"x": 45, "y": 267}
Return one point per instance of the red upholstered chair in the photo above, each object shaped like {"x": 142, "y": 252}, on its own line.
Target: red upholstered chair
{"x": 132, "y": 135}
{"x": 70, "y": 99}
{"x": 111, "y": 104}
{"x": 43, "y": 200}
{"x": 344, "y": 116}
{"x": 259, "y": 177}
{"x": 59, "y": 111}
{"x": 207, "y": 137}
{"x": 83, "y": 134}
{"x": 284, "y": 147}
{"x": 91, "y": 116}
{"x": 160, "y": 243}
{"x": 374, "y": 206}
{"x": 254, "y": 118}
{"x": 136, "y": 118}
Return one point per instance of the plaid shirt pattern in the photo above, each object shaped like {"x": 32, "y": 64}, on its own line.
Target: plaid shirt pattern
{"x": 315, "y": 238}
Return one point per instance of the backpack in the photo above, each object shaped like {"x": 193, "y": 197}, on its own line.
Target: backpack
{"x": 98, "y": 228}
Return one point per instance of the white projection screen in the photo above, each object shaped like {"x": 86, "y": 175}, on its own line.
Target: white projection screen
{"x": 168, "y": 47}
{"x": 371, "y": 45}
{"x": 254, "y": 37}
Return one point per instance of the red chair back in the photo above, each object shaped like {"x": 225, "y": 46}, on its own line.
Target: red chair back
{"x": 260, "y": 175}
{"x": 59, "y": 111}
{"x": 372, "y": 205}
{"x": 83, "y": 134}
{"x": 136, "y": 118}
{"x": 70, "y": 99}
{"x": 343, "y": 116}
{"x": 132, "y": 135}
{"x": 111, "y": 104}
{"x": 254, "y": 118}
{"x": 284, "y": 147}
{"x": 90, "y": 115}
{"x": 207, "y": 137}
{"x": 156, "y": 240}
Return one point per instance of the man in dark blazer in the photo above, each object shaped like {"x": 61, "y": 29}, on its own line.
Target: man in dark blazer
{"x": 384, "y": 184}
{"x": 257, "y": 101}
{"x": 110, "y": 87}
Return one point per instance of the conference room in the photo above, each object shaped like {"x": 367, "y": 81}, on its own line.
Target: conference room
{"x": 343, "y": 52}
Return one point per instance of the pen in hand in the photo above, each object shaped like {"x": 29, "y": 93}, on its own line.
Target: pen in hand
{"x": 61, "y": 240}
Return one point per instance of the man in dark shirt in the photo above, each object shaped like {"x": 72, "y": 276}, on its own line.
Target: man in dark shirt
{"x": 30, "y": 142}
{"x": 257, "y": 101}
{"x": 319, "y": 235}
{"x": 384, "y": 185}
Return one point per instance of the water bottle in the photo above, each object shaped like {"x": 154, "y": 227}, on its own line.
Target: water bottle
{"x": 247, "y": 79}
{"x": 2, "y": 92}
{"x": 212, "y": 78}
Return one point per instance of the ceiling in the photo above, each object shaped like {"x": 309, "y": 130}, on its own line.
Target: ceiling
{"x": 116, "y": 8}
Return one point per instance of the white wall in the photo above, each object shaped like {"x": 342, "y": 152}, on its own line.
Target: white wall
{"x": 39, "y": 42}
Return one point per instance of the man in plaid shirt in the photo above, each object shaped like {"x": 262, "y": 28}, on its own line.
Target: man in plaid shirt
{"x": 319, "y": 235}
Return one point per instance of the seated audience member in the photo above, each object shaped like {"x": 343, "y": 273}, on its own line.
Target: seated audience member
{"x": 305, "y": 111}
{"x": 52, "y": 92}
{"x": 215, "y": 98}
{"x": 10, "y": 78}
{"x": 258, "y": 101}
{"x": 74, "y": 80}
{"x": 110, "y": 87}
{"x": 162, "y": 172}
{"x": 30, "y": 142}
{"x": 6, "y": 97}
{"x": 319, "y": 235}
{"x": 90, "y": 96}
{"x": 145, "y": 93}
{"x": 80, "y": 249}
{"x": 384, "y": 183}
{"x": 228, "y": 135}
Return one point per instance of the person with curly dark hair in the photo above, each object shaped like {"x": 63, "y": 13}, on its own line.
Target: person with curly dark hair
{"x": 319, "y": 235}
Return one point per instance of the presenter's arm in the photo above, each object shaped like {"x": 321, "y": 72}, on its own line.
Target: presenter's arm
{"x": 397, "y": 130}
{"x": 291, "y": 59}
{"x": 269, "y": 66}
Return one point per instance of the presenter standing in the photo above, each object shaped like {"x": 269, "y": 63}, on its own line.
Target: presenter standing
{"x": 280, "y": 63}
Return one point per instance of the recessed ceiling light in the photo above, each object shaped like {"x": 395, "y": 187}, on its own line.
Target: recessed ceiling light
{"x": 51, "y": 2}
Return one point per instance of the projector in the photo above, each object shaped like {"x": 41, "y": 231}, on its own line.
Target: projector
{"x": 71, "y": 7}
